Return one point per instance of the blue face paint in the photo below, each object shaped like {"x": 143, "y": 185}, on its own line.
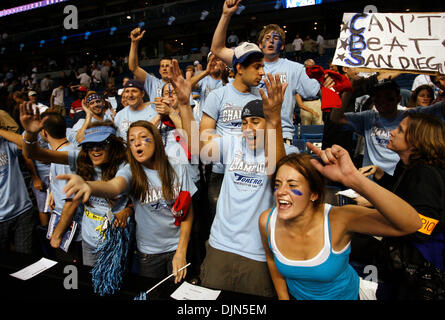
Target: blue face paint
{"x": 149, "y": 140}
{"x": 297, "y": 192}
{"x": 275, "y": 190}
{"x": 275, "y": 39}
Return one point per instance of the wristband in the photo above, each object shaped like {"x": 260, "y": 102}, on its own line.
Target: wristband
{"x": 29, "y": 142}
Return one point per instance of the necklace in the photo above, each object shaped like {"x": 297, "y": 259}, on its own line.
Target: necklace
{"x": 66, "y": 141}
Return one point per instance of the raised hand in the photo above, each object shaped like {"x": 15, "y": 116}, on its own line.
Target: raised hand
{"x": 230, "y": 6}
{"x": 338, "y": 165}
{"x": 31, "y": 122}
{"x": 136, "y": 35}
{"x": 76, "y": 186}
{"x": 275, "y": 96}
{"x": 85, "y": 108}
{"x": 183, "y": 87}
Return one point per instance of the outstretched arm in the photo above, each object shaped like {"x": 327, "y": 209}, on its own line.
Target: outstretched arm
{"x": 392, "y": 215}
{"x": 12, "y": 137}
{"x": 82, "y": 190}
{"x": 219, "y": 37}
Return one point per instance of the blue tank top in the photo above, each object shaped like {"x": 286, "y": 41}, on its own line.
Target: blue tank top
{"x": 327, "y": 276}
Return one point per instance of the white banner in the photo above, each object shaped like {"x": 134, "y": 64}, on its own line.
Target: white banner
{"x": 412, "y": 42}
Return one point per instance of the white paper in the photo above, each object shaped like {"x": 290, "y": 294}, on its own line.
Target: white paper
{"x": 187, "y": 291}
{"x": 401, "y": 41}
{"x": 349, "y": 193}
{"x": 34, "y": 269}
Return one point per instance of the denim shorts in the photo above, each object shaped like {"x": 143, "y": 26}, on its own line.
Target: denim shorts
{"x": 154, "y": 265}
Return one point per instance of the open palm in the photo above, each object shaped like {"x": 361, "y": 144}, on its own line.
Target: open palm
{"x": 31, "y": 122}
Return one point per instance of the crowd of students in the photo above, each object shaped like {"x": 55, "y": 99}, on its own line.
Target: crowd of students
{"x": 202, "y": 169}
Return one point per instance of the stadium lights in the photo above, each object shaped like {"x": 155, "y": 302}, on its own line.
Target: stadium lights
{"x": 171, "y": 19}
{"x": 63, "y": 39}
{"x": 240, "y": 9}
{"x": 42, "y": 42}
{"x": 204, "y": 14}
{"x": 112, "y": 30}
{"x": 277, "y": 5}
{"x": 87, "y": 34}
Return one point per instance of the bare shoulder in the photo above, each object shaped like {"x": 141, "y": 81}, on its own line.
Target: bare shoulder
{"x": 263, "y": 218}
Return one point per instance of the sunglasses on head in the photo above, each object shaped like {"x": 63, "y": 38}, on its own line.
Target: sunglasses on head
{"x": 95, "y": 145}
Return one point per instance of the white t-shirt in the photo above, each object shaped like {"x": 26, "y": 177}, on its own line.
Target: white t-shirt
{"x": 58, "y": 97}
{"x": 297, "y": 43}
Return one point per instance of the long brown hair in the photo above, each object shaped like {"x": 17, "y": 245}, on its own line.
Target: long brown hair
{"x": 426, "y": 134}
{"x": 116, "y": 156}
{"x": 139, "y": 185}
{"x": 301, "y": 162}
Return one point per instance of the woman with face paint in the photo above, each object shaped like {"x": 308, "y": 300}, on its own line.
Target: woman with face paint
{"x": 101, "y": 156}
{"x": 307, "y": 241}
{"x": 161, "y": 192}
{"x": 157, "y": 189}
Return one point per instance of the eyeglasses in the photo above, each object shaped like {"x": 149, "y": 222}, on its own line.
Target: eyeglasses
{"x": 95, "y": 145}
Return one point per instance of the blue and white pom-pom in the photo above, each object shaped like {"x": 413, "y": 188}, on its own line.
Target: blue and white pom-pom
{"x": 141, "y": 296}
{"x": 111, "y": 264}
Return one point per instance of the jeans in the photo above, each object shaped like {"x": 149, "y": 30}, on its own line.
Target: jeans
{"x": 154, "y": 265}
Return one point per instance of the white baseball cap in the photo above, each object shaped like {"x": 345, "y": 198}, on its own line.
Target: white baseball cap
{"x": 244, "y": 50}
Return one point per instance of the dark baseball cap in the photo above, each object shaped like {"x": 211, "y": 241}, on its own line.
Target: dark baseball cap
{"x": 253, "y": 108}
{"x": 133, "y": 83}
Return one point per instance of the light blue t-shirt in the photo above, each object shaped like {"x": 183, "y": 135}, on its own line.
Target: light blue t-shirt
{"x": 245, "y": 194}
{"x": 205, "y": 86}
{"x": 376, "y": 131}
{"x": 293, "y": 73}
{"x": 42, "y": 168}
{"x": 14, "y": 197}
{"x": 225, "y": 105}
{"x": 155, "y": 228}
{"x": 127, "y": 116}
{"x": 96, "y": 205}
{"x": 56, "y": 188}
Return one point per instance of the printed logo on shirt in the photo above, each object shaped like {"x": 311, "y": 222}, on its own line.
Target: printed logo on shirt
{"x": 231, "y": 115}
{"x": 248, "y": 181}
{"x": 125, "y": 124}
{"x": 239, "y": 164}
{"x": 101, "y": 202}
{"x": 381, "y": 135}
{"x": 155, "y": 198}
{"x": 283, "y": 79}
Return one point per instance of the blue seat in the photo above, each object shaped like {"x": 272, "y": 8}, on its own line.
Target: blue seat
{"x": 300, "y": 144}
{"x": 314, "y": 130}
